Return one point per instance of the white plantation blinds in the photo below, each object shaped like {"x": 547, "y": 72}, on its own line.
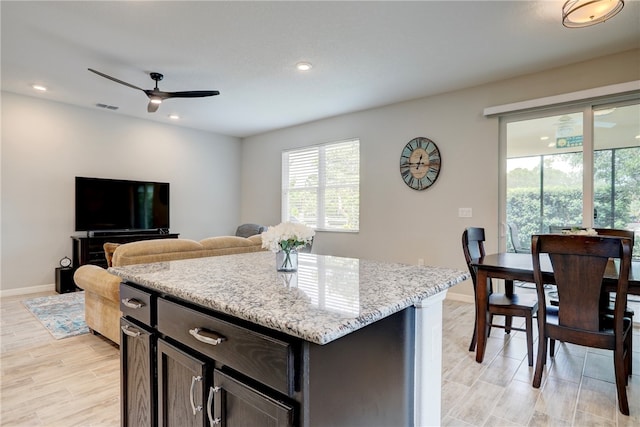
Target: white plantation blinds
{"x": 321, "y": 186}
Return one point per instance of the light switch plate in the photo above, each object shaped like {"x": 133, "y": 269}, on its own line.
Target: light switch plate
{"x": 465, "y": 212}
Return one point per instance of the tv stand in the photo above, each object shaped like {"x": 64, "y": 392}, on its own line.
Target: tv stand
{"x": 89, "y": 249}
{"x": 109, "y": 233}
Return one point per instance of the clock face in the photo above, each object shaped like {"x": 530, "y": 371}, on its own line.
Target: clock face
{"x": 420, "y": 163}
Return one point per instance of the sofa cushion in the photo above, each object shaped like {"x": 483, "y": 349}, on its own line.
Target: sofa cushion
{"x": 222, "y": 242}
{"x": 155, "y": 250}
{"x": 228, "y": 245}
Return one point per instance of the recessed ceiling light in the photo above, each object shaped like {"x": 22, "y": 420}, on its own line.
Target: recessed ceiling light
{"x": 39, "y": 87}
{"x": 544, "y": 138}
{"x": 174, "y": 116}
{"x": 304, "y": 66}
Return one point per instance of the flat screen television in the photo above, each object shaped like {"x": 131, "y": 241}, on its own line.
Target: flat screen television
{"x": 113, "y": 205}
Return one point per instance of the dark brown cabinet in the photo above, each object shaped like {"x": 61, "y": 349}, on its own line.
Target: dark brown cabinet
{"x": 215, "y": 369}
{"x": 169, "y": 353}
{"x": 137, "y": 361}
{"x": 237, "y": 404}
{"x": 183, "y": 380}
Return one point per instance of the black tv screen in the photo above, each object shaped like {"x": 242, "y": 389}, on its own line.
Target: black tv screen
{"x": 121, "y": 205}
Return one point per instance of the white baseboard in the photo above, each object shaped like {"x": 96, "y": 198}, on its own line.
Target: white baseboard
{"x": 26, "y": 291}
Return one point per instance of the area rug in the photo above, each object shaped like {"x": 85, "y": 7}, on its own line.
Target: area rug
{"x": 62, "y": 315}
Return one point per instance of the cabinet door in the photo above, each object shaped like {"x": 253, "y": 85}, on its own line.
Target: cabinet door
{"x": 237, "y": 404}
{"x": 182, "y": 384}
{"x": 137, "y": 362}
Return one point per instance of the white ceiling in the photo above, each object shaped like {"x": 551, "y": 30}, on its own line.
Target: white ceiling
{"x": 364, "y": 54}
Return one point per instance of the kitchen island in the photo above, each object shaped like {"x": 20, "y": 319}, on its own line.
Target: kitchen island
{"x": 341, "y": 342}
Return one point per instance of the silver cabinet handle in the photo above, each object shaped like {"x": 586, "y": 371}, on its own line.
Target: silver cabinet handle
{"x": 132, "y": 332}
{"x": 212, "y": 421}
{"x": 132, "y": 303}
{"x": 194, "y": 408}
{"x": 207, "y": 337}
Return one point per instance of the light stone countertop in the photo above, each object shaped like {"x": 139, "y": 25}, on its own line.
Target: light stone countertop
{"x": 327, "y": 298}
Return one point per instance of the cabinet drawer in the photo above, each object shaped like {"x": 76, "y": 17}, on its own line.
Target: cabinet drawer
{"x": 137, "y": 304}
{"x": 261, "y": 357}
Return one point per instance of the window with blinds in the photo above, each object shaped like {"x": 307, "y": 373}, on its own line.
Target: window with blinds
{"x": 321, "y": 186}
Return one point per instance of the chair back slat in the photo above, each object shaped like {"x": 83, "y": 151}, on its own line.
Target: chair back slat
{"x": 579, "y": 264}
{"x": 579, "y": 281}
{"x": 473, "y": 247}
{"x": 473, "y": 243}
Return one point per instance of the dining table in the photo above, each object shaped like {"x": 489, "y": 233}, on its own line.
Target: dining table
{"x": 512, "y": 267}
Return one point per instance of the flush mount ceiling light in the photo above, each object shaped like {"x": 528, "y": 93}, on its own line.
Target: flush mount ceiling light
{"x": 584, "y": 13}
{"x": 600, "y": 113}
{"x": 304, "y": 66}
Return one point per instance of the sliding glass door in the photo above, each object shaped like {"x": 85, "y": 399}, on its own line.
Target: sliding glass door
{"x": 572, "y": 168}
{"x": 616, "y": 171}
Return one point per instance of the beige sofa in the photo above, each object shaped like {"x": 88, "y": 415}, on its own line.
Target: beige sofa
{"x": 102, "y": 289}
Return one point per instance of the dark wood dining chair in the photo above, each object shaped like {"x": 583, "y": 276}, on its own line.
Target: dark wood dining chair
{"x": 514, "y": 237}
{"x": 578, "y": 264}
{"x": 617, "y": 232}
{"x": 508, "y": 304}
{"x": 606, "y": 297}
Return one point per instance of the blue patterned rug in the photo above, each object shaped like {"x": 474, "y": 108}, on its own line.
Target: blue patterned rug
{"x": 62, "y": 315}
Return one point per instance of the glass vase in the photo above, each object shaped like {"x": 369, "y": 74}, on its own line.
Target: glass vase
{"x": 287, "y": 260}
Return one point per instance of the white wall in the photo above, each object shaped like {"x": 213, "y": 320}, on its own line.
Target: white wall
{"x": 46, "y": 144}
{"x": 400, "y": 224}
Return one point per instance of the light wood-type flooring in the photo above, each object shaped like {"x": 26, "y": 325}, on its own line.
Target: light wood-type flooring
{"x": 75, "y": 381}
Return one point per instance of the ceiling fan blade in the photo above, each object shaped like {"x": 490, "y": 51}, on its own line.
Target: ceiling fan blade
{"x": 152, "y": 107}
{"x": 155, "y": 95}
{"x": 190, "y": 94}
{"x": 106, "y": 76}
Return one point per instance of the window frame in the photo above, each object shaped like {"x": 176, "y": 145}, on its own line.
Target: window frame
{"x": 322, "y": 186}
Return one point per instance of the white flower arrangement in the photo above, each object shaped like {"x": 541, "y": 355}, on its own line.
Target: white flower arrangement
{"x": 581, "y": 232}
{"x": 287, "y": 236}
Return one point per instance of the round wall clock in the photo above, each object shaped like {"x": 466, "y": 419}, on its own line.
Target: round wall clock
{"x": 420, "y": 163}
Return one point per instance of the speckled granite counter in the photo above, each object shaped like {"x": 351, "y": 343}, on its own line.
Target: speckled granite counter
{"x": 327, "y": 298}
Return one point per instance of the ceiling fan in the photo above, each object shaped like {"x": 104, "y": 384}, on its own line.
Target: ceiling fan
{"x": 156, "y": 96}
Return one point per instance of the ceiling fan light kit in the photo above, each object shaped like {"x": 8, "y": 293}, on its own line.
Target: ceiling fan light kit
{"x": 584, "y": 13}
{"x": 155, "y": 95}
